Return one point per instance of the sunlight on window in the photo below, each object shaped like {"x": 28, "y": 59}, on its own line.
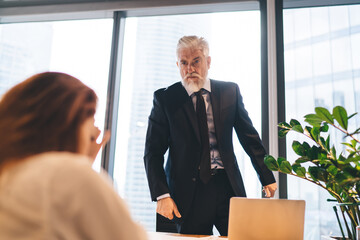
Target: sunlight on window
{"x": 80, "y": 48}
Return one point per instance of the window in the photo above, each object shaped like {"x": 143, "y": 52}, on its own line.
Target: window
{"x": 322, "y": 68}
{"x": 149, "y": 63}
{"x": 80, "y": 48}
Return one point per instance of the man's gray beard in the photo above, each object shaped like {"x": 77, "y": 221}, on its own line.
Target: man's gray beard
{"x": 193, "y": 86}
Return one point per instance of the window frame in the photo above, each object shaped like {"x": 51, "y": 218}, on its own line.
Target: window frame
{"x": 272, "y": 93}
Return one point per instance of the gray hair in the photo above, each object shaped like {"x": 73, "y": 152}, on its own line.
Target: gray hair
{"x": 193, "y": 42}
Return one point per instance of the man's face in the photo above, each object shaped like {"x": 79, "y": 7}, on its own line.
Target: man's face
{"x": 193, "y": 66}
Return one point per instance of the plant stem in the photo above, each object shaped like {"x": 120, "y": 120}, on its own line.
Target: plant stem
{"x": 337, "y": 196}
{"x": 346, "y": 224}
{"x": 346, "y": 132}
{"x": 352, "y": 215}
{"x": 338, "y": 219}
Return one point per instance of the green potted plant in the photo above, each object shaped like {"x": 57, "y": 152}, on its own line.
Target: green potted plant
{"x": 320, "y": 163}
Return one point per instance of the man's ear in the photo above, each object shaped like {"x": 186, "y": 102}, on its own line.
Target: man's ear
{"x": 177, "y": 63}
{"x": 208, "y": 60}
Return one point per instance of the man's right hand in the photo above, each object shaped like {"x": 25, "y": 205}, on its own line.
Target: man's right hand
{"x": 167, "y": 208}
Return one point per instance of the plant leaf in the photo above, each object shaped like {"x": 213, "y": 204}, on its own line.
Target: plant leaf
{"x": 315, "y": 133}
{"x": 284, "y": 125}
{"x": 294, "y": 122}
{"x": 313, "y": 120}
{"x": 352, "y": 159}
{"x": 302, "y": 159}
{"x": 352, "y": 115}
{"x": 340, "y": 116}
{"x": 325, "y": 161}
{"x": 271, "y": 163}
{"x": 285, "y": 167}
{"x": 324, "y": 114}
{"x": 283, "y": 132}
{"x": 340, "y": 178}
{"x": 354, "y": 142}
{"x": 348, "y": 144}
{"x": 299, "y": 170}
{"x": 322, "y": 141}
{"x": 332, "y": 169}
{"x": 298, "y": 128}
{"x": 350, "y": 172}
{"x": 333, "y": 152}
{"x": 280, "y": 160}
{"x": 328, "y": 143}
{"x": 299, "y": 148}
{"x": 313, "y": 171}
{"x": 318, "y": 174}
{"x": 324, "y": 127}
{"x": 307, "y": 131}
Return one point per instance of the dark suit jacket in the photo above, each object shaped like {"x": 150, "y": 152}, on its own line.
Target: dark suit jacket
{"x": 173, "y": 126}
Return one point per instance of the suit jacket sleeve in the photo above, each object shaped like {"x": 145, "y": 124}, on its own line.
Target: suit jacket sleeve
{"x": 157, "y": 142}
{"x": 251, "y": 142}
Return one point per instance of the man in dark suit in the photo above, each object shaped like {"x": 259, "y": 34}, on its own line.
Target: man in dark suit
{"x": 194, "y": 119}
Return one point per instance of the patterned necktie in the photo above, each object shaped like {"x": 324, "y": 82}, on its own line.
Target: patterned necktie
{"x": 205, "y": 174}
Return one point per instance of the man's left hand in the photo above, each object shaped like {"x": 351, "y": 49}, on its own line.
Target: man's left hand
{"x": 270, "y": 190}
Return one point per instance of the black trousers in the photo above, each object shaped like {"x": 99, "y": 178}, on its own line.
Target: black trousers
{"x": 210, "y": 207}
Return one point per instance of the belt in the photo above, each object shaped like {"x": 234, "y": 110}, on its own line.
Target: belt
{"x": 216, "y": 171}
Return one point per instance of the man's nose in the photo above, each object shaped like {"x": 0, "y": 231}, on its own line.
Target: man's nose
{"x": 190, "y": 68}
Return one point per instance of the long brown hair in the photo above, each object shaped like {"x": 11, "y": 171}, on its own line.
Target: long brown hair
{"x": 43, "y": 113}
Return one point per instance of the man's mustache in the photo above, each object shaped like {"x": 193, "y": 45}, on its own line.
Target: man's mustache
{"x": 193, "y": 74}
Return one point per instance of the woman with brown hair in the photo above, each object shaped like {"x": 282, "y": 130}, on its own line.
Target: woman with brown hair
{"x": 48, "y": 189}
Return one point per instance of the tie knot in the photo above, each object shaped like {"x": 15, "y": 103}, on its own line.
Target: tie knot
{"x": 199, "y": 93}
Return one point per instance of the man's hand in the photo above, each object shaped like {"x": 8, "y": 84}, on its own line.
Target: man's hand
{"x": 166, "y": 207}
{"x": 270, "y": 190}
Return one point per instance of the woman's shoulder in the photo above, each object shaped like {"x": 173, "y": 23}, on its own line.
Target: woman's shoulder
{"x": 60, "y": 162}
{"x": 68, "y": 168}
{"x": 59, "y": 170}
{"x": 59, "y": 158}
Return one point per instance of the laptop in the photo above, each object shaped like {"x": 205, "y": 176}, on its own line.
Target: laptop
{"x": 266, "y": 219}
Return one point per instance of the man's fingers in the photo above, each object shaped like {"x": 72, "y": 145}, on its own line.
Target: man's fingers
{"x": 170, "y": 216}
{"x": 270, "y": 190}
{"x": 167, "y": 208}
{"x": 267, "y": 192}
{"x": 177, "y": 213}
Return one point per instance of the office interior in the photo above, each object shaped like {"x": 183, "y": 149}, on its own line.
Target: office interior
{"x": 287, "y": 56}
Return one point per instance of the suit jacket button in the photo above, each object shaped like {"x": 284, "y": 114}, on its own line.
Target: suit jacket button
{"x": 193, "y": 179}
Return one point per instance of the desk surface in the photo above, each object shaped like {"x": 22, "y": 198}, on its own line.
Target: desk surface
{"x": 176, "y": 236}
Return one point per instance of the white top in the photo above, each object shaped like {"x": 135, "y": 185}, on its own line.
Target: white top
{"x": 58, "y": 195}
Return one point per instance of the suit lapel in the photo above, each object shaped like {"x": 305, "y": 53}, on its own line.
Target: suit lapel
{"x": 216, "y": 105}
{"x": 191, "y": 114}
{"x": 183, "y": 101}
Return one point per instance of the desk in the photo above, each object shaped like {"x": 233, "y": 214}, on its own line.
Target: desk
{"x": 177, "y": 236}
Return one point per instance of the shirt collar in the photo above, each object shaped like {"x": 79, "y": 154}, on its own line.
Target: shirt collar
{"x": 206, "y": 86}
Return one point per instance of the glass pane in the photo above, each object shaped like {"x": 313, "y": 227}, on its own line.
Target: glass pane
{"x": 322, "y": 50}
{"x": 79, "y": 48}
{"x": 149, "y": 63}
